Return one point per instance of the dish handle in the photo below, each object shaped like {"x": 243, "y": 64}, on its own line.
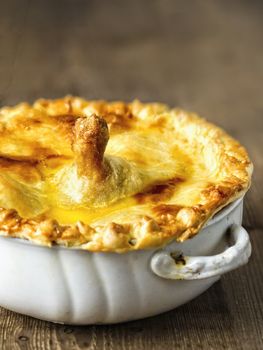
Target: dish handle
{"x": 176, "y": 266}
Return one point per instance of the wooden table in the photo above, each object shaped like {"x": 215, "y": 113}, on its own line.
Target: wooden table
{"x": 205, "y": 56}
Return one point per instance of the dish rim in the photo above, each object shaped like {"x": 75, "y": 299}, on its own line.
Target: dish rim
{"x": 223, "y": 212}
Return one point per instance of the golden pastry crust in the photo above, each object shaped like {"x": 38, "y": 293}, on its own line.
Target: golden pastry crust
{"x": 113, "y": 176}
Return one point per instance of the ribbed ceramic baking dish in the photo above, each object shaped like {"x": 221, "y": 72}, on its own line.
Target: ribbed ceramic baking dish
{"x": 74, "y": 286}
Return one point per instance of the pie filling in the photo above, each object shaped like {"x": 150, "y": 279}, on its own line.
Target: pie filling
{"x": 113, "y": 176}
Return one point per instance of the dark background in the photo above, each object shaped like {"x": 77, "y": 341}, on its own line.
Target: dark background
{"x": 205, "y": 56}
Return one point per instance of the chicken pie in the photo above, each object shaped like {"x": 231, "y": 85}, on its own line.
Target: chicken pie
{"x": 113, "y": 176}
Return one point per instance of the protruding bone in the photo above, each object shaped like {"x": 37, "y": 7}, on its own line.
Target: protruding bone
{"x": 91, "y": 136}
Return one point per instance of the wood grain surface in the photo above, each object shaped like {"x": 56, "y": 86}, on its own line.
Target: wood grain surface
{"x": 205, "y": 56}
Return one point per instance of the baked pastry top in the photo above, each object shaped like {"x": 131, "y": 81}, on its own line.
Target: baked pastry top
{"x": 113, "y": 176}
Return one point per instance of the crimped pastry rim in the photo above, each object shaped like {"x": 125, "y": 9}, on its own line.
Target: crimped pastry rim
{"x": 219, "y": 216}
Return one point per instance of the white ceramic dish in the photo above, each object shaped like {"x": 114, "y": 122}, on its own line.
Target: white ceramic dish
{"x": 79, "y": 287}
